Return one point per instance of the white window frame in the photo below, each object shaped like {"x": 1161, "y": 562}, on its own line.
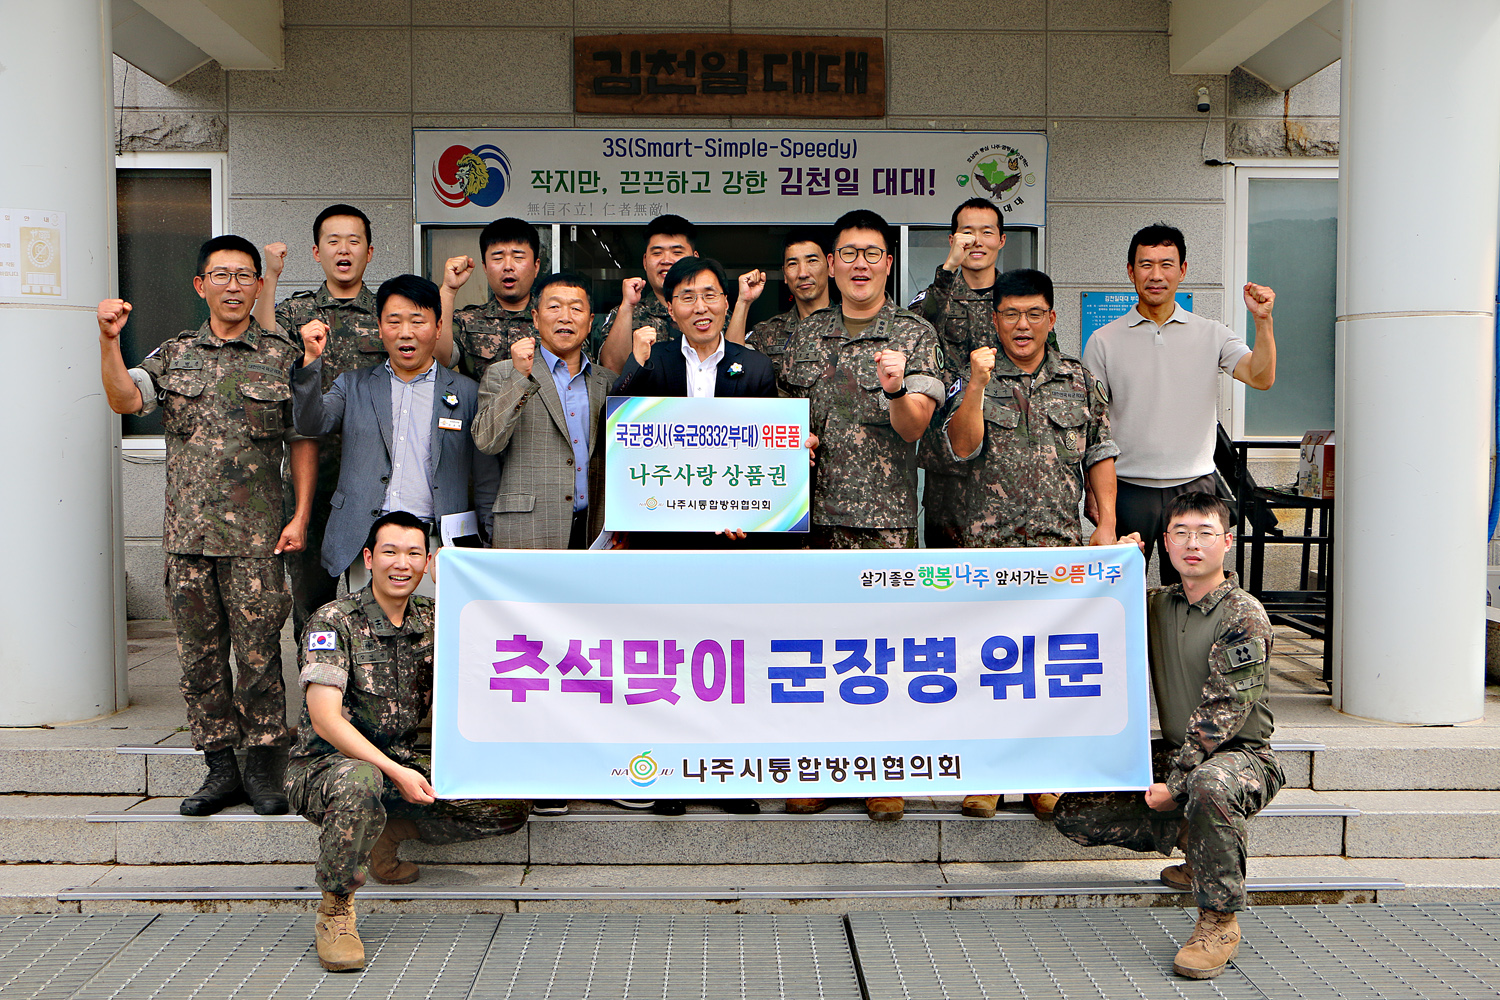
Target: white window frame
{"x": 1318, "y": 168}
{"x": 217, "y": 165}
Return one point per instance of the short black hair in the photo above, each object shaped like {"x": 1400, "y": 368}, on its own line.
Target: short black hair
{"x": 227, "y": 242}
{"x": 684, "y": 270}
{"x": 673, "y": 225}
{"x": 510, "y": 230}
{"x": 400, "y": 518}
{"x": 568, "y": 279}
{"x": 333, "y": 210}
{"x": 1196, "y": 503}
{"x": 1158, "y": 234}
{"x": 807, "y": 234}
{"x": 413, "y": 287}
{"x": 863, "y": 218}
{"x": 982, "y": 203}
{"x": 1023, "y": 282}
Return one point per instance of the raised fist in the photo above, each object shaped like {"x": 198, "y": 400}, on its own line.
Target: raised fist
{"x": 456, "y": 271}
{"x": 981, "y": 364}
{"x": 752, "y": 283}
{"x": 275, "y": 257}
{"x": 631, "y": 290}
{"x": 645, "y": 339}
{"x": 112, "y": 316}
{"x": 522, "y": 353}
{"x": 314, "y": 340}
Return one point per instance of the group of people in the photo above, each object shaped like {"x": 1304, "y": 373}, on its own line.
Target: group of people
{"x": 326, "y": 436}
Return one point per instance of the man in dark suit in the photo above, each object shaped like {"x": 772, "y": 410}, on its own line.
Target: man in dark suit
{"x": 541, "y": 411}
{"x": 697, "y": 362}
{"x": 405, "y": 425}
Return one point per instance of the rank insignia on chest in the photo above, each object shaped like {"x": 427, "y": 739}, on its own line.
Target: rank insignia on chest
{"x": 449, "y": 399}
{"x": 322, "y": 640}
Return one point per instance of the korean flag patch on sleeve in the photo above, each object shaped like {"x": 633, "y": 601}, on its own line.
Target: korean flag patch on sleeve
{"x": 322, "y": 640}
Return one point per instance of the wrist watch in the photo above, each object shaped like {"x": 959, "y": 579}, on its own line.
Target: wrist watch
{"x": 894, "y": 395}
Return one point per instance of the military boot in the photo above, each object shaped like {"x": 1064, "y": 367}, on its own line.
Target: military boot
{"x": 263, "y": 782}
{"x": 385, "y": 864}
{"x": 1179, "y": 877}
{"x": 1215, "y": 940}
{"x": 339, "y": 946}
{"x": 221, "y": 788}
{"x": 983, "y": 806}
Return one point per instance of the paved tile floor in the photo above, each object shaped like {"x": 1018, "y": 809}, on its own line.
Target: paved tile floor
{"x": 1376, "y": 951}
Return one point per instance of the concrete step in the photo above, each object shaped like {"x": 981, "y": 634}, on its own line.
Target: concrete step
{"x": 1391, "y": 758}
{"x": 136, "y": 831}
{"x": 1423, "y": 824}
{"x": 838, "y": 888}
{"x": 89, "y": 762}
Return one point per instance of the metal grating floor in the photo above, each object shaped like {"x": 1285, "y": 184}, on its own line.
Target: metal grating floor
{"x": 1104, "y": 954}
{"x": 50, "y": 957}
{"x": 664, "y": 957}
{"x": 1370, "y": 952}
{"x": 264, "y": 956}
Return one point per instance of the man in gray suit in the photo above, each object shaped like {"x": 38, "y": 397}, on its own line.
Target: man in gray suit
{"x": 542, "y": 412}
{"x": 405, "y": 425}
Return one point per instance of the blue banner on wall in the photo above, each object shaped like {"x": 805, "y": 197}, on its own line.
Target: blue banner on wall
{"x": 789, "y": 674}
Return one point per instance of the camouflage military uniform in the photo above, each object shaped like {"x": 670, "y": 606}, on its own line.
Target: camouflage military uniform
{"x": 353, "y": 343}
{"x": 385, "y": 674}
{"x": 866, "y": 475}
{"x": 1022, "y": 486}
{"x": 648, "y": 312}
{"x": 771, "y": 337}
{"x": 1209, "y": 667}
{"x": 485, "y": 334}
{"x": 226, "y": 410}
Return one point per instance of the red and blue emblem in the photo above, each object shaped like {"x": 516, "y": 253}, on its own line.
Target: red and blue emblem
{"x": 463, "y": 175}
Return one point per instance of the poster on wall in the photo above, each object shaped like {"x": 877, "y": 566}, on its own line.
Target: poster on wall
{"x": 713, "y": 176}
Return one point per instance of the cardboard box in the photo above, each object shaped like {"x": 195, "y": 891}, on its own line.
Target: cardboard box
{"x": 1315, "y": 467}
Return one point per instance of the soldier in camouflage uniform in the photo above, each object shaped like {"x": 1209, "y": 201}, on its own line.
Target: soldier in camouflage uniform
{"x": 346, "y": 308}
{"x": 356, "y": 771}
{"x": 1210, "y": 647}
{"x": 1027, "y": 427}
{"x": 669, "y": 238}
{"x": 1015, "y": 447}
{"x": 226, "y": 403}
{"x": 510, "y": 250}
{"x": 869, "y": 372}
{"x": 804, "y": 269}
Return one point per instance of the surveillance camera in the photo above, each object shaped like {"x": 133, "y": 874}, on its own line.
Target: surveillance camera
{"x": 1203, "y": 99}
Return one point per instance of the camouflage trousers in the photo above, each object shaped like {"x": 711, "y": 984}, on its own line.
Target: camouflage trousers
{"x": 837, "y": 536}
{"x": 312, "y": 587}
{"x": 1223, "y": 793}
{"x": 219, "y": 602}
{"x": 350, "y": 801}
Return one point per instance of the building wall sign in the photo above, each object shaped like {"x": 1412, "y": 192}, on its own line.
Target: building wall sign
{"x": 778, "y": 176}
{"x": 810, "y": 76}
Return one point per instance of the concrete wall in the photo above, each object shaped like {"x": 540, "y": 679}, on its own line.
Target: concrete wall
{"x": 1127, "y": 144}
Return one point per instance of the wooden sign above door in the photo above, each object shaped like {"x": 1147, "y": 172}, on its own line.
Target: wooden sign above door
{"x": 776, "y": 76}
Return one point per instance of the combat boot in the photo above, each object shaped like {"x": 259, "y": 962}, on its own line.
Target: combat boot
{"x": 263, "y": 783}
{"x": 1179, "y": 877}
{"x": 1215, "y": 940}
{"x": 982, "y": 806}
{"x": 339, "y": 946}
{"x": 385, "y": 864}
{"x": 221, "y": 788}
{"x": 885, "y": 808}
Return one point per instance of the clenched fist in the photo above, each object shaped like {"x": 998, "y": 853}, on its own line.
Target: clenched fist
{"x": 645, "y": 339}
{"x": 522, "y": 353}
{"x": 314, "y": 340}
{"x": 959, "y": 245}
{"x": 275, "y": 257}
{"x": 890, "y": 368}
{"x": 981, "y": 364}
{"x": 113, "y": 314}
{"x": 631, "y": 290}
{"x": 752, "y": 283}
{"x": 456, "y": 271}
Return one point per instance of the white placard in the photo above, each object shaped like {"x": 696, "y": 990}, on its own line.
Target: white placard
{"x": 32, "y": 260}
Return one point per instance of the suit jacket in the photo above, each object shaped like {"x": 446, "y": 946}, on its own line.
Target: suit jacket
{"x": 358, "y": 406}
{"x": 521, "y": 419}
{"x": 665, "y": 373}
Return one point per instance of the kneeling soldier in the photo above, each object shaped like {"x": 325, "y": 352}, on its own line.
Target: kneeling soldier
{"x": 1210, "y": 646}
{"x": 355, "y": 770}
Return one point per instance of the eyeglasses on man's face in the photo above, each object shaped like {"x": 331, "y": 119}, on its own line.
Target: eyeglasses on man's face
{"x": 872, "y": 254}
{"x": 1032, "y": 315}
{"x": 221, "y": 277}
{"x": 1182, "y": 536}
{"x": 709, "y": 298}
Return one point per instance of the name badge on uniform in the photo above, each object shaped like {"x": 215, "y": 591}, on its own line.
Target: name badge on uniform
{"x": 450, "y": 424}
